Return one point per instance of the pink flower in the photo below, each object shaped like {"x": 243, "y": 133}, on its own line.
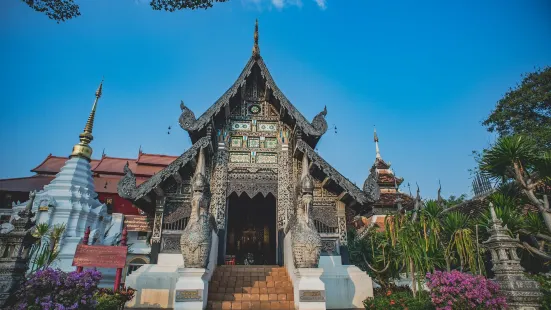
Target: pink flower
{"x": 461, "y": 290}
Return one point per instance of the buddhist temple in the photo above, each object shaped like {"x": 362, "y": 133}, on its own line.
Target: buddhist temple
{"x": 251, "y": 190}
{"x": 254, "y": 139}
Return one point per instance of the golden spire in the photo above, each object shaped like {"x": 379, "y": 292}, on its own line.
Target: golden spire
{"x": 83, "y": 149}
{"x": 256, "y": 48}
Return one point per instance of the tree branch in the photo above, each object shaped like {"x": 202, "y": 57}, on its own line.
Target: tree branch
{"x": 538, "y": 235}
{"x": 519, "y": 176}
{"x": 537, "y": 252}
{"x": 375, "y": 270}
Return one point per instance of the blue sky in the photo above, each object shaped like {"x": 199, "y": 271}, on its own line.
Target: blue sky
{"x": 426, "y": 73}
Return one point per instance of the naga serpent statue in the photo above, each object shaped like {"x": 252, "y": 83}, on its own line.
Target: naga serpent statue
{"x": 196, "y": 238}
{"x": 306, "y": 241}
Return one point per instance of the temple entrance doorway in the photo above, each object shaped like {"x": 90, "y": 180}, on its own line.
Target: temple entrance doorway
{"x": 251, "y": 238}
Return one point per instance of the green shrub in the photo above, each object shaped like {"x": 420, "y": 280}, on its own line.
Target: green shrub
{"x": 108, "y": 300}
{"x": 398, "y": 297}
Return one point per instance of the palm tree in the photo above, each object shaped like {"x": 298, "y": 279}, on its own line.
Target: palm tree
{"x": 408, "y": 240}
{"x": 516, "y": 159}
{"x": 460, "y": 241}
{"x": 46, "y": 249}
{"x": 375, "y": 255}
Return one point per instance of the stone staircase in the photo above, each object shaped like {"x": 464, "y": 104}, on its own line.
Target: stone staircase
{"x": 250, "y": 287}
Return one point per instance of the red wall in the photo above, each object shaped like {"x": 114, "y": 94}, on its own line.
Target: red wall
{"x": 119, "y": 205}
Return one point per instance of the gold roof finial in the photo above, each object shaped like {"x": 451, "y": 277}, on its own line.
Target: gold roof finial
{"x": 83, "y": 149}
{"x": 256, "y": 48}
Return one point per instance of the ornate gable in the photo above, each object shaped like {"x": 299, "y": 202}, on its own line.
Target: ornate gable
{"x": 254, "y": 92}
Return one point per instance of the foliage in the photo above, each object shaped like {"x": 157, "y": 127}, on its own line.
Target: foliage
{"x": 173, "y": 5}
{"x": 109, "y": 300}
{"x": 373, "y": 254}
{"x": 58, "y": 10}
{"x": 517, "y": 160}
{"x": 526, "y": 109}
{"x": 55, "y": 289}
{"x": 510, "y": 153}
{"x": 455, "y": 200}
{"x": 46, "y": 249}
{"x": 62, "y": 10}
{"x": 417, "y": 242}
{"x": 459, "y": 240}
{"x": 410, "y": 240}
{"x": 545, "y": 287}
{"x": 398, "y": 297}
{"x": 506, "y": 210}
{"x": 457, "y": 290}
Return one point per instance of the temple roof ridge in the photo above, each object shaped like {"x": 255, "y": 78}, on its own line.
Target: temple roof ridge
{"x": 192, "y": 124}
{"x": 347, "y": 185}
{"x": 128, "y": 189}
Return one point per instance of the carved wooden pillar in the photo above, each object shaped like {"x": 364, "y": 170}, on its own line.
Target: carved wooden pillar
{"x": 219, "y": 185}
{"x": 284, "y": 204}
{"x": 343, "y": 238}
{"x": 284, "y": 190}
{"x": 157, "y": 228}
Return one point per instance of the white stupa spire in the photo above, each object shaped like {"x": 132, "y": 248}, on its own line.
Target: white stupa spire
{"x": 70, "y": 199}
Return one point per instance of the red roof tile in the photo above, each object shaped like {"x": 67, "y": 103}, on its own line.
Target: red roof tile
{"x": 389, "y": 179}
{"x": 381, "y": 164}
{"x": 389, "y": 199}
{"x": 155, "y": 159}
{"x": 27, "y": 184}
{"x": 107, "y": 172}
{"x": 114, "y": 165}
{"x": 53, "y": 164}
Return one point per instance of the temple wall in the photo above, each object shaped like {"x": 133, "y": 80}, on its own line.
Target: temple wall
{"x": 155, "y": 284}
{"x": 346, "y": 287}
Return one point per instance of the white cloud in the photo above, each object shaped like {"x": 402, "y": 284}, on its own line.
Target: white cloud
{"x": 278, "y": 3}
{"x": 281, "y": 4}
{"x": 322, "y": 4}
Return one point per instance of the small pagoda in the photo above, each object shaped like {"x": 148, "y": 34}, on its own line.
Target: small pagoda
{"x": 390, "y": 200}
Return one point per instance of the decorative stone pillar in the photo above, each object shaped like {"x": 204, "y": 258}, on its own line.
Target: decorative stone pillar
{"x": 219, "y": 186}
{"x": 15, "y": 242}
{"x": 157, "y": 228}
{"x": 219, "y": 183}
{"x": 284, "y": 203}
{"x": 343, "y": 238}
{"x": 521, "y": 292}
{"x": 158, "y": 222}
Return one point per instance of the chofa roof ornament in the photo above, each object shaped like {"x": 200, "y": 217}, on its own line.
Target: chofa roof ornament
{"x": 187, "y": 118}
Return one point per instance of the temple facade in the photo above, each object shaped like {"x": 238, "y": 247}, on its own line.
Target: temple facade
{"x": 254, "y": 141}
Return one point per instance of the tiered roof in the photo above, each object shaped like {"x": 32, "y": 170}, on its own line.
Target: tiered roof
{"x": 106, "y": 171}
{"x": 387, "y": 182}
